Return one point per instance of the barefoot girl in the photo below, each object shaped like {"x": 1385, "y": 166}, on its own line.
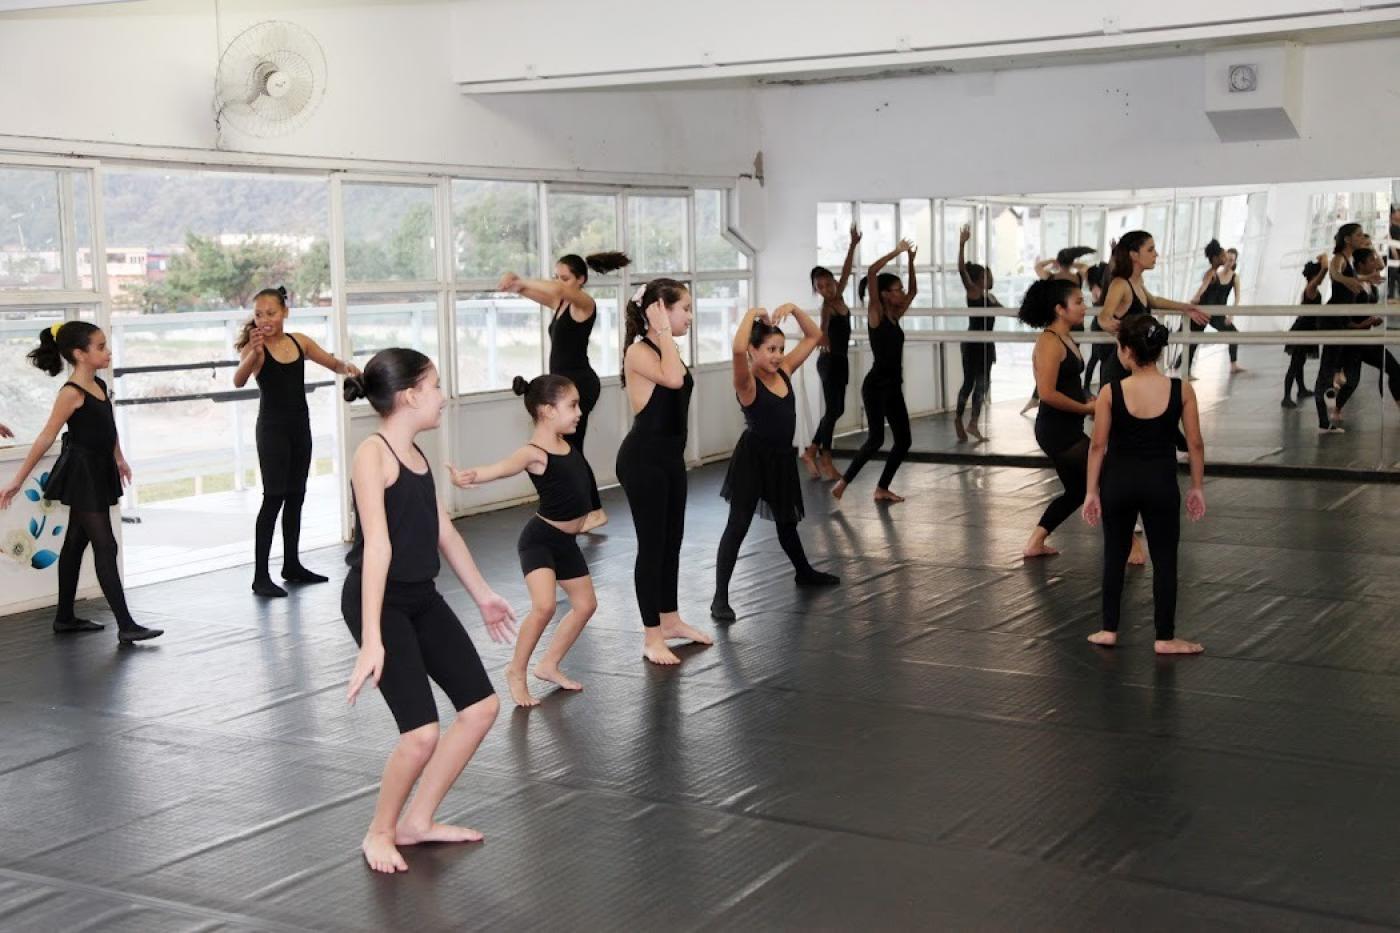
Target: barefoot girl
{"x": 834, "y": 364}
{"x": 406, "y": 632}
{"x": 88, "y": 474}
{"x": 549, "y": 555}
{"x": 277, "y": 360}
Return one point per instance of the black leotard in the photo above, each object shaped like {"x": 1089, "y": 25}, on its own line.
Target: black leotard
{"x": 666, "y": 412}
{"x": 770, "y": 417}
{"x": 838, "y": 333}
{"x": 282, "y": 388}
{"x": 1056, "y": 429}
{"x": 565, "y": 486}
{"x": 887, "y": 348}
{"x": 568, "y": 341}
{"x": 411, "y": 511}
{"x": 85, "y": 477}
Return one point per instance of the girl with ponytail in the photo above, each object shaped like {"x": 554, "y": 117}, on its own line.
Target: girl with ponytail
{"x": 1132, "y": 471}
{"x": 651, "y": 460}
{"x": 572, "y": 315}
{"x": 549, "y": 553}
{"x": 88, "y": 474}
{"x": 277, "y": 359}
{"x": 1134, "y": 254}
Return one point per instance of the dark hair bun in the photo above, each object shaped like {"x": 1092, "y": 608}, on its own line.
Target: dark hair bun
{"x": 354, "y": 388}
{"x": 519, "y": 385}
{"x": 282, "y": 293}
{"x": 1157, "y": 336}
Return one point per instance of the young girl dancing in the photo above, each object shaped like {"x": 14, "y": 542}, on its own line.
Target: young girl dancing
{"x": 763, "y": 472}
{"x": 88, "y": 474}
{"x": 549, "y": 554}
{"x": 406, "y": 631}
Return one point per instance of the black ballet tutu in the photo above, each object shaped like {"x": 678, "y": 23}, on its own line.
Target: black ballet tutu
{"x": 765, "y": 474}
{"x": 84, "y": 479}
{"x": 1306, "y": 323}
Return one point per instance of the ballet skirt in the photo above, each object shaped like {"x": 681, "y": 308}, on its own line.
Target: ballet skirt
{"x": 763, "y": 467}
{"x": 1304, "y": 323}
{"x": 85, "y": 475}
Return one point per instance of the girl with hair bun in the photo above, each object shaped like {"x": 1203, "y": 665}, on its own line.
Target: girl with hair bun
{"x": 549, "y": 553}
{"x": 277, "y": 359}
{"x": 88, "y": 474}
{"x": 651, "y": 459}
{"x": 407, "y": 633}
{"x": 1314, "y": 273}
{"x": 1132, "y": 471}
{"x": 572, "y": 315}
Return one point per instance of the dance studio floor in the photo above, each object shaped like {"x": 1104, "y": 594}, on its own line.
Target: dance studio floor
{"x": 931, "y": 746}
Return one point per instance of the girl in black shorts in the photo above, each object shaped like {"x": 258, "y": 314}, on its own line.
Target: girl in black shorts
{"x": 549, "y": 554}
{"x": 406, "y": 632}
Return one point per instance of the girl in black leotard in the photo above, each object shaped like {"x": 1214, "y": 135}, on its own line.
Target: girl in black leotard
{"x": 1132, "y": 460}
{"x": 277, "y": 360}
{"x": 883, "y": 388}
{"x": 1220, "y": 282}
{"x": 572, "y": 314}
{"x": 549, "y": 553}
{"x": 87, "y": 476}
{"x": 1056, "y": 306}
{"x": 762, "y": 472}
{"x": 1134, "y": 254}
{"x": 1066, "y": 267}
{"x": 977, "y": 358}
{"x": 833, "y": 365}
{"x": 1098, "y": 278}
{"x": 651, "y": 460}
{"x": 407, "y": 633}
{"x": 1299, "y": 354}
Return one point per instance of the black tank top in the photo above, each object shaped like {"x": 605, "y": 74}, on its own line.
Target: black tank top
{"x": 568, "y": 342}
{"x": 838, "y": 332}
{"x": 887, "y": 348}
{"x": 1056, "y": 429}
{"x": 1341, "y": 295}
{"x": 282, "y": 388}
{"x": 980, "y": 321}
{"x": 1137, "y": 306}
{"x": 411, "y": 511}
{"x": 1218, "y": 293}
{"x": 1145, "y": 438}
{"x": 667, "y": 411}
{"x": 770, "y": 418}
{"x": 93, "y": 426}
{"x": 565, "y": 486}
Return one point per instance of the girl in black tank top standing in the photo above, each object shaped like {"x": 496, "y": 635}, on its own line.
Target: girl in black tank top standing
{"x": 977, "y": 358}
{"x": 87, "y": 477}
{"x": 1056, "y": 306}
{"x": 1298, "y": 354}
{"x": 651, "y": 460}
{"x": 1219, "y": 284}
{"x": 573, "y": 313}
{"x": 1065, "y": 267}
{"x": 277, "y": 360}
{"x": 1134, "y": 254}
{"x": 1098, "y": 278}
{"x": 833, "y": 365}
{"x": 549, "y": 552}
{"x": 1132, "y": 465}
{"x": 883, "y": 388}
{"x": 407, "y": 633}
{"x": 763, "y": 471}
{"x": 1348, "y": 287}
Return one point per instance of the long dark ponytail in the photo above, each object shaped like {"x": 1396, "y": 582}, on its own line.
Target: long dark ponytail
{"x": 601, "y": 263}
{"x": 1339, "y": 242}
{"x": 57, "y": 343}
{"x": 667, "y": 291}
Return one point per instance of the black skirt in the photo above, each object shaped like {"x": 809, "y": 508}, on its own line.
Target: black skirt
{"x": 763, "y": 475}
{"x": 84, "y": 479}
{"x": 1303, "y": 323}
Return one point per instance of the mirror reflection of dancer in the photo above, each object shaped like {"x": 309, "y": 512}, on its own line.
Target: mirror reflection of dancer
{"x": 572, "y": 315}
{"x": 762, "y": 471}
{"x": 87, "y": 476}
{"x": 1353, "y": 270}
{"x": 1132, "y": 471}
{"x": 406, "y": 632}
{"x": 1315, "y": 273}
{"x": 549, "y": 552}
{"x": 651, "y": 459}
{"x": 833, "y": 365}
{"x": 883, "y": 388}
{"x": 1098, "y": 278}
{"x": 977, "y": 358}
{"x": 1056, "y": 306}
{"x": 1220, "y": 282}
{"x": 276, "y": 359}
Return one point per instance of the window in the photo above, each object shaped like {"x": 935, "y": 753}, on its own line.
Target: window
{"x": 498, "y": 338}
{"x": 603, "y": 343}
{"x": 30, "y": 239}
{"x": 656, "y": 233}
{"x": 1054, "y": 231}
{"x": 878, "y": 234}
{"x": 712, "y": 250}
{"x": 1091, "y": 226}
{"x": 718, "y": 308}
{"x": 833, "y": 233}
{"x": 377, "y": 322}
{"x": 495, "y": 228}
{"x": 916, "y": 226}
{"x": 389, "y": 233}
{"x": 582, "y": 223}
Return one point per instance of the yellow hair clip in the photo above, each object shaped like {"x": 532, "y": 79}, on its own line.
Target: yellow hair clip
{"x": 56, "y": 328}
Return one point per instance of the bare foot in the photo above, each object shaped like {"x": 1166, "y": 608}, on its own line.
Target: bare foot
{"x": 380, "y": 853}
{"x": 972, "y": 429}
{"x": 679, "y": 629}
{"x": 962, "y": 431}
{"x": 1039, "y": 550}
{"x": 1104, "y": 639}
{"x": 594, "y": 519}
{"x": 1137, "y": 557}
{"x": 1237, "y": 368}
{"x": 828, "y": 469}
{"x": 838, "y": 490}
{"x": 1177, "y": 646}
{"x": 435, "y": 832}
{"x": 519, "y": 691}
{"x": 884, "y": 495}
{"x": 809, "y": 458}
{"x": 551, "y": 673}
{"x": 654, "y": 649}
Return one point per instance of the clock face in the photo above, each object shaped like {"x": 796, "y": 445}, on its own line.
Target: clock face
{"x": 1242, "y": 78}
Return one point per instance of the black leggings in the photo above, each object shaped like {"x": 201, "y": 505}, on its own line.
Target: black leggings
{"x": 1072, "y": 466}
{"x": 977, "y": 374}
{"x": 1149, "y": 488}
{"x": 835, "y": 373}
{"x": 1297, "y": 360}
{"x": 290, "y": 507}
{"x": 1098, "y": 355}
{"x": 884, "y": 401}
{"x": 590, "y": 389}
{"x": 1220, "y": 324}
{"x": 1345, "y": 360}
{"x": 740, "y": 517}
{"x": 94, "y": 528}
{"x": 1384, "y": 361}
{"x": 651, "y": 468}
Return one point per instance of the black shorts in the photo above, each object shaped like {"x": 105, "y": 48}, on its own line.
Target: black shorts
{"x": 543, "y": 545}
{"x": 422, "y": 639}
